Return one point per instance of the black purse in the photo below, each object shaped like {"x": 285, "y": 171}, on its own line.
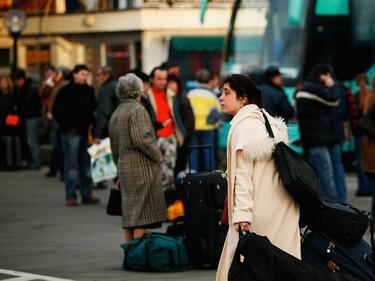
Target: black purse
{"x": 298, "y": 178}
{"x": 114, "y": 202}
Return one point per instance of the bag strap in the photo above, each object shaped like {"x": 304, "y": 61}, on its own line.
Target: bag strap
{"x": 355, "y": 209}
{"x": 268, "y": 126}
{"x": 372, "y": 230}
{"x": 372, "y": 239}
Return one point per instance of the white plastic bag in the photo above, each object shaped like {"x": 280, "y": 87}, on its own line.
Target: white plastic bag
{"x": 102, "y": 165}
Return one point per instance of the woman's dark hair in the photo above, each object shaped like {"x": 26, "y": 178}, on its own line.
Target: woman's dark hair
{"x": 244, "y": 87}
{"x": 174, "y": 78}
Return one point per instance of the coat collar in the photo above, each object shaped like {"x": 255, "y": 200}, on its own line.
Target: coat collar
{"x": 131, "y": 100}
{"x": 245, "y": 112}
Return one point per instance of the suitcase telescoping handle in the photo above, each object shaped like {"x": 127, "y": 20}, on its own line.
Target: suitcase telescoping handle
{"x": 200, "y": 146}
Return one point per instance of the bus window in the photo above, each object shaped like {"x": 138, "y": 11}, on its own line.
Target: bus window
{"x": 364, "y": 21}
{"x": 332, "y": 8}
{"x": 296, "y": 34}
{"x": 276, "y": 38}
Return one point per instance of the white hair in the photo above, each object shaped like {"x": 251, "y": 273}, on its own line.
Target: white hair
{"x": 129, "y": 87}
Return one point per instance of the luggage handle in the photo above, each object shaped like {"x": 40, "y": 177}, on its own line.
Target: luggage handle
{"x": 242, "y": 238}
{"x": 372, "y": 239}
{"x": 351, "y": 207}
{"x": 354, "y": 209}
{"x": 200, "y": 146}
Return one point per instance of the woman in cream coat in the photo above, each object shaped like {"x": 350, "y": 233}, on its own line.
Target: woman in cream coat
{"x": 257, "y": 200}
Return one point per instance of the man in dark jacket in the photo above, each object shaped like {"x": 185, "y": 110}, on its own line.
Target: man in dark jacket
{"x": 107, "y": 102}
{"x": 30, "y": 110}
{"x": 274, "y": 98}
{"x": 315, "y": 103}
{"x": 74, "y": 112}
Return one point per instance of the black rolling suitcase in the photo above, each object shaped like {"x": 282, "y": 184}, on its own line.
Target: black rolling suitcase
{"x": 204, "y": 195}
{"x": 10, "y": 153}
{"x": 355, "y": 259}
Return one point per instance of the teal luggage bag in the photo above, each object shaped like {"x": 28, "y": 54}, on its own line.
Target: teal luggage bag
{"x": 156, "y": 253}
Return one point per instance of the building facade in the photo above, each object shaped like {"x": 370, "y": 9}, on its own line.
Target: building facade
{"x": 126, "y": 34}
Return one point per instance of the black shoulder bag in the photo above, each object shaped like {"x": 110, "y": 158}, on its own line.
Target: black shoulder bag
{"x": 298, "y": 178}
{"x": 114, "y": 202}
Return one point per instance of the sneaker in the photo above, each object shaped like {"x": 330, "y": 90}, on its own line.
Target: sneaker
{"x": 90, "y": 200}
{"x": 71, "y": 202}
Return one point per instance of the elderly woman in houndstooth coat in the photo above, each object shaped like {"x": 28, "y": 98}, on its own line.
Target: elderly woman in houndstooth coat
{"x": 137, "y": 159}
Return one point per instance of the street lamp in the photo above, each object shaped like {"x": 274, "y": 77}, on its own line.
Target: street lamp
{"x": 15, "y": 22}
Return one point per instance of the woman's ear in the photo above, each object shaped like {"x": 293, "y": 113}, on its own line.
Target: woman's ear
{"x": 244, "y": 100}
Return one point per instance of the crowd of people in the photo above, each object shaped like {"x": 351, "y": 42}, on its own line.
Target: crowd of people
{"x": 156, "y": 120}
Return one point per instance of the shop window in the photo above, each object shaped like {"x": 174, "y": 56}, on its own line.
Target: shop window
{"x": 4, "y": 57}
{"x": 193, "y": 53}
{"x": 37, "y": 57}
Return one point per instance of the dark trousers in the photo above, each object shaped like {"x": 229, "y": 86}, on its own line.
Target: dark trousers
{"x": 77, "y": 165}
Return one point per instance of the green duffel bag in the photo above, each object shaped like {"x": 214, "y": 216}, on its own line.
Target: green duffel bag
{"x": 155, "y": 252}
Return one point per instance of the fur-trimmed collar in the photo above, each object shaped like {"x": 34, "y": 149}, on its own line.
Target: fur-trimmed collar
{"x": 262, "y": 149}
{"x": 259, "y": 146}
{"x": 246, "y": 112}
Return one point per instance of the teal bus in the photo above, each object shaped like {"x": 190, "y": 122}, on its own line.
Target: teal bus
{"x": 298, "y": 34}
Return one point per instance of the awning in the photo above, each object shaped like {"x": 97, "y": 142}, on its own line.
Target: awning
{"x": 241, "y": 44}
{"x": 197, "y": 44}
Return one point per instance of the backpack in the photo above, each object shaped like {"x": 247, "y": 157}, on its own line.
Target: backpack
{"x": 156, "y": 253}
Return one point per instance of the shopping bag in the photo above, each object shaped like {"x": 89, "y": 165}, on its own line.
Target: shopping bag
{"x": 102, "y": 165}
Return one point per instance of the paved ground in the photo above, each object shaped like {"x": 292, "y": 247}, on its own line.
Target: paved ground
{"x": 41, "y": 236}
